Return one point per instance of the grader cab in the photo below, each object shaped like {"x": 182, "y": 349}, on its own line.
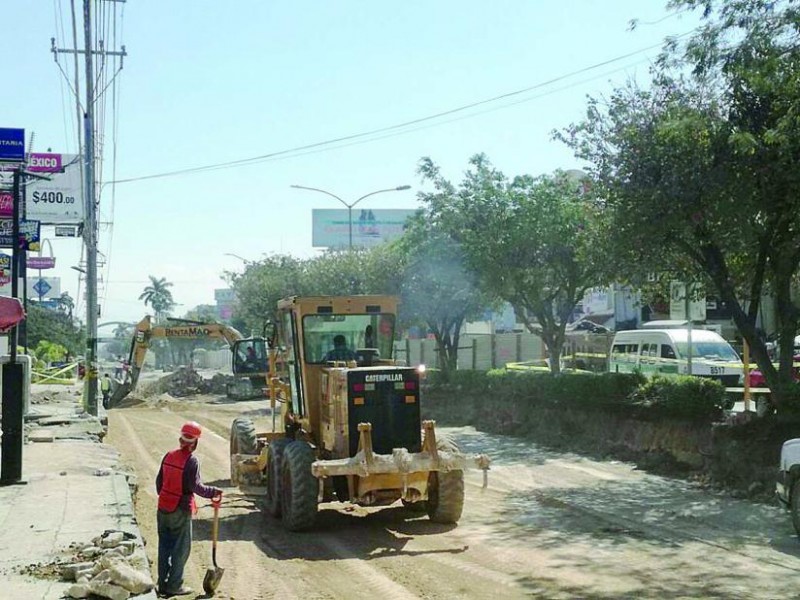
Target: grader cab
{"x": 350, "y": 427}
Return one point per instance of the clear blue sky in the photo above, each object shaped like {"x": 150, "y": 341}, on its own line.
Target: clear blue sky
{"x": 207, "y": 82}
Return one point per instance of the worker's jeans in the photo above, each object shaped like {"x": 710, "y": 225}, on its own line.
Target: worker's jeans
{"x": 174, "y": 544}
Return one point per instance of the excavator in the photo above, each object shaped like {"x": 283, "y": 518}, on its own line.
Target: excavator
{"x": 350, "y": 423}
{"x": 249, "y": 356}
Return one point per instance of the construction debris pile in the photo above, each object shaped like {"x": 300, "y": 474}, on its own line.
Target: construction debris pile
{"x": 111, "y": 566}
{"x": 186, "y": 381}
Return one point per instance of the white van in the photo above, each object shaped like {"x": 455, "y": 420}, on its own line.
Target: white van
{"x": 665, "y": 351}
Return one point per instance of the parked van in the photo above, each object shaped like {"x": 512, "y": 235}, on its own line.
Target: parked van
{"x": 665, "y": 351}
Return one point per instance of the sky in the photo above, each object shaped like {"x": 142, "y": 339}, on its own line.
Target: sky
{"x": 207, "y": 82}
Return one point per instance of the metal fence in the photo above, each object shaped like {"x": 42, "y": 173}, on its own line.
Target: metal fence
{"x": 475, "y": 351}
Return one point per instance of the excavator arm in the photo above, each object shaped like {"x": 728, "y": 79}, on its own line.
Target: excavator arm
{"x": 144, "y": 333}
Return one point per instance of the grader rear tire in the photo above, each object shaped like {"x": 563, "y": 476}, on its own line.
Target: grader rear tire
{"x": 298, "y": 487}
{"x": 242, "y": 441}
{"x": 445, "y": 490}
{"x": 272, "y": 501}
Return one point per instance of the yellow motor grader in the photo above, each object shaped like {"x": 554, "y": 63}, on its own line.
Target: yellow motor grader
{"x": 350, "y": 427}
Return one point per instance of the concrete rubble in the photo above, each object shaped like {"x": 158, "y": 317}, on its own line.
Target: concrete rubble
{"x": 73, "y": 489}
{"x": 115, "y": 568}
{"x": 184, "y": 382}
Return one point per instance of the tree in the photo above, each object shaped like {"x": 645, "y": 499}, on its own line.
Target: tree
{"x": 436, "y": 288}
{"x": 158, "y": 296}
{"x": 207, "y": 313}
{"x": 701, "y": 169}
{"x": 262, "y": 284}
{"x": 66, "y": 303}
{"x": 334, "y": 273}
{"x": 55, "y": 327}
{"x": 352, "y": 272}
{"x": 532, "y": 241}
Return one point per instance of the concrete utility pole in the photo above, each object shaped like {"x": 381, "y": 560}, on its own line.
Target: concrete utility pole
{"x": 90, "y": 227}
{"x": 350, "y": 206}
{"x": 90, "y": 199}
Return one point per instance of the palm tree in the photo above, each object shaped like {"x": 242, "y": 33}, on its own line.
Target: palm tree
{"x": 158, "y": 296}
{"x": 66, "y": 303}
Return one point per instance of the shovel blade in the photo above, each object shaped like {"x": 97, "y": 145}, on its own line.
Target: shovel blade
{"x": 212, "y": 579}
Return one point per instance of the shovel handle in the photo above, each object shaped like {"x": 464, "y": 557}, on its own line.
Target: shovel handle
{"x": 214, "y": 531}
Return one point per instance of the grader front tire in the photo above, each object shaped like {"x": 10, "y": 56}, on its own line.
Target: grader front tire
{"x": 272, "y": 501}
{"x": 445, "y": 490}
{"x": 299, "y": 487}
{"x": 242, "y": 441}
{"x": 445, "y": 496}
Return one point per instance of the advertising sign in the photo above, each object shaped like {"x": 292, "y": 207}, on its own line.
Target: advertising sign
{"x": 331, "y": 227}
{"x": 41, "y": 262}
{"x": 5, "y": 269}
{"x": 58, "y": 199}
{"x": 44, "y": 162}
{"x": 28, "y": 234}
{"x": 66, "y": 231}
{"x": 44, "y": 287}
{"x": 677, "y": 303}
{"x": 12, "y": 144}
{"x": 6, "y": 204}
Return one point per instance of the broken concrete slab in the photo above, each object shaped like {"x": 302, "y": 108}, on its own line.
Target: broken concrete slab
{"x": 41, "y": 435}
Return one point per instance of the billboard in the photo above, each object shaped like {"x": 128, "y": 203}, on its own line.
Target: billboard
{"x": 58, "y": 199}
{"x": 41, "y": 262}
{"x": 330, "y": 228}
{"x": 44, "y": 288}
{"x": 55, "y": 199}
{"x": 67, "y": 231}
{"x": 12, "y": 144}
{"x": 28, "y": 234}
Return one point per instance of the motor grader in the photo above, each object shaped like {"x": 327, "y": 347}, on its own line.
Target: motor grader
{"x": 350, "y": 427}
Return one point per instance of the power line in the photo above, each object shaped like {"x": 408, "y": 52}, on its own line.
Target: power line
{"x": 391, "y": 128}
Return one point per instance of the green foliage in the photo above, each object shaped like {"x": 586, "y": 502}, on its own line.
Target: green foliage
{"x": 438, "y": 291}
{"x": 536, "y": 242}
{"x": 691, "y": 398}
{"x": 625, "y": 394}
{"x": 55, "y": 327}
{"x": 700, "y": 170}
{"x": 263, "y": 283}
{"x": 49, "y": 352}
{"x": 158, "y": 295}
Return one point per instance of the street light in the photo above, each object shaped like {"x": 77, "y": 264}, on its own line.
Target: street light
{"x": 399, "y": 188}
{"x": 241, "y": 258}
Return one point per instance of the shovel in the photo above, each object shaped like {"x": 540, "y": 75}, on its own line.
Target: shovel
{"x": 213, "y": 576}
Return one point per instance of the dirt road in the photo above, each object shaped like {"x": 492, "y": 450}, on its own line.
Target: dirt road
{"x": 548, "y": 526}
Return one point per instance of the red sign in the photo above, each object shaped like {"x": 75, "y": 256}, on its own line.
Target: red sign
{"x": 40, "y": 162}
{"x": 6, "y": 204}
{"x": 41, "y": 262}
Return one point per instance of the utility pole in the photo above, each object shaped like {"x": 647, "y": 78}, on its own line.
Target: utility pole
{"x": 90, "y": 200}
{"x": 90, "y": 227}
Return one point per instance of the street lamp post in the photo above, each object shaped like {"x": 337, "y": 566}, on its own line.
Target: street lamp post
{"x": 241, "y": 258}
{"x": 350, "y": 206}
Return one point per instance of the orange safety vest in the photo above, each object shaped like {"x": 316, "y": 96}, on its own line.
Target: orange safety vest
{"x": 172, "y": 481}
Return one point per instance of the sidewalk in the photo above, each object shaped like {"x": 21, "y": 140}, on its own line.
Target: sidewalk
{"x": 71, "y": 496}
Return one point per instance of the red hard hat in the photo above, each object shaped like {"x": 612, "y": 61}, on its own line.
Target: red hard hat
{"x": 190, "y": 431}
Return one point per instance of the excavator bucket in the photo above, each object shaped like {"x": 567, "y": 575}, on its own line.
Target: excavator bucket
{"x": 119, "y": 393}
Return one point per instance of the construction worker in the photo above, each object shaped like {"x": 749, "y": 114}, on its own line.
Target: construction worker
{"x": 340, "y": 351}
{"x": 177, "y": 482}
{"x": 105, "y": 387}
